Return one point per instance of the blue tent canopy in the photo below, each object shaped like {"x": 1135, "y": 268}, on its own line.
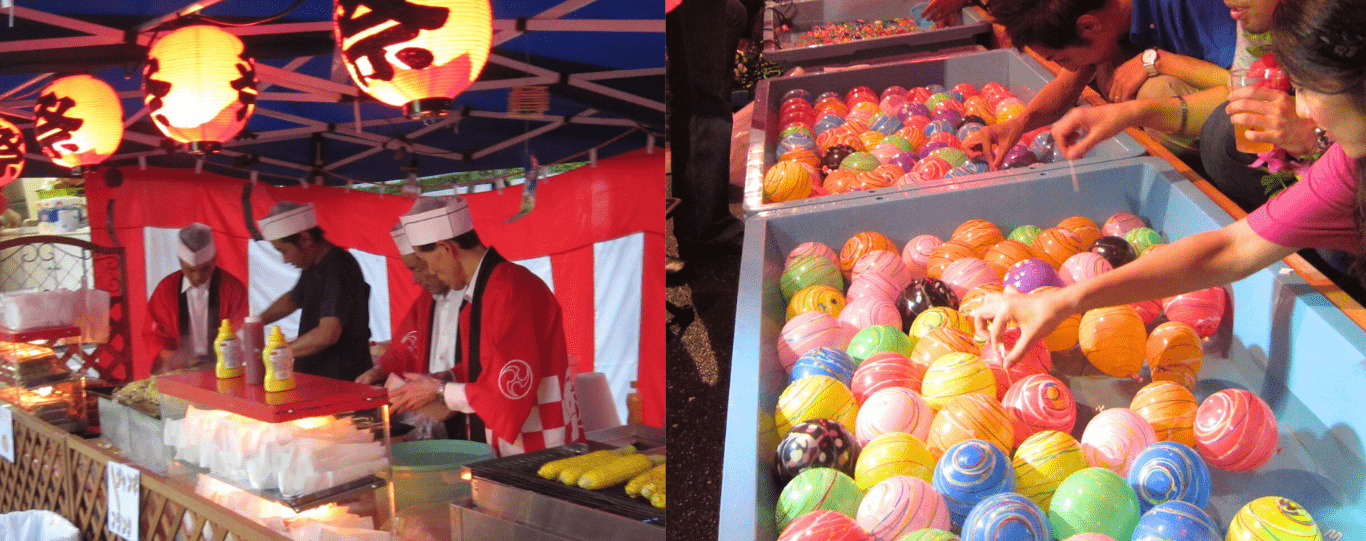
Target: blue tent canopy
{"x": 602, "y": 61}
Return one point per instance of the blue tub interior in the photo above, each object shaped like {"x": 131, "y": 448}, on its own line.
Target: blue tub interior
{"x": 1286, "y": 342}
{"x": 1021, "y": 74}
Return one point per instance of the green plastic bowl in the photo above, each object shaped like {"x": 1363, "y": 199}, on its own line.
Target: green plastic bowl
{"x": 428, "y": 471}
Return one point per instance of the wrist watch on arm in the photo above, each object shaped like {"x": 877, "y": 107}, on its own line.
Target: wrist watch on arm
{"x": 441, "y": 391}
{"x": 1149, "y": 59}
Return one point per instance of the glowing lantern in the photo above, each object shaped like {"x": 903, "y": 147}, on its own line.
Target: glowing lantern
{"x": 12, "y": 149}
{"x": 418, "y": 55}
{"x": 200, "y": 88}
{"x": 78, "y": 121}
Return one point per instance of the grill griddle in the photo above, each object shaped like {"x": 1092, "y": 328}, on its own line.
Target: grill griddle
{"x": 519, "y": 471}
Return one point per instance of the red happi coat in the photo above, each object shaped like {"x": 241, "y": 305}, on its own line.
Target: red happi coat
{"x": 524, "y": 393}
{"x": 412, "y": 339}
{"x": 161, "y": 331}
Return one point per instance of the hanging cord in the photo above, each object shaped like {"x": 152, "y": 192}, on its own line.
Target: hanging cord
{"x": 282, "y": 13}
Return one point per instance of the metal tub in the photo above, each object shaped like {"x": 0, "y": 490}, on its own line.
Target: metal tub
{"x": 1021, "y": 74}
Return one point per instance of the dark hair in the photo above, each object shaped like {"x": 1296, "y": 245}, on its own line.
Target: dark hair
{"x": 1050, "y": 23}
{"x": 1321, "y": 45}
{"x": 465, "y": 241}
{"x": 315, "y": 231}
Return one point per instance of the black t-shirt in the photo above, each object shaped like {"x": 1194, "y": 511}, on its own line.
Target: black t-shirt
{"x": 335, "y": 287}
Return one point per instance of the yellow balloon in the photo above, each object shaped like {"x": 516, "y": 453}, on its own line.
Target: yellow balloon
{"x": 893, "y": 453}
{"x": 1043, "y": 461}
{"x": 1270, "y": 518}
{"x": 815, "y": 397}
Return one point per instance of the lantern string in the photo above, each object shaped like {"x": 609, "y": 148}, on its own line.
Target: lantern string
{"x": 198, "y": 16}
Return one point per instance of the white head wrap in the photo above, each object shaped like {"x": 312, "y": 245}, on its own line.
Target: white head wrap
{"x": 287, "y": 218}
{"x": 196, "y": 245}
{"x": 401, "y": 240}
{"x": 432, "y": 219}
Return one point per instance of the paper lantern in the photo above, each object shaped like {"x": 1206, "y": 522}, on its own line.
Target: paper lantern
{"x": 417, "y": 55}
{"x": 200, "y": 88}
{"x": 12, "y": 150}
{"x": 78, "y": 121}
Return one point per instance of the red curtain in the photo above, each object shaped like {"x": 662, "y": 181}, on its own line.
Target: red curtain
{"x": 621, "y": 196}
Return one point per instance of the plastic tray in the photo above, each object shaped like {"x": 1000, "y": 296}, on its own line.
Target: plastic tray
{"x": 781, "y": 47}
{"x": 1286, "y": 342}
{"x": 1021, "y": 74}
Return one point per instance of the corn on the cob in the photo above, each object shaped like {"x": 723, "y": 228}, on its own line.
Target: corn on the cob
{"x": 634, "y": 485}
{"x": 615, "y": 472}
{"x": 655, "y": 484}
{"x": 657, "y": 499}
{"x": 552, "y": 469}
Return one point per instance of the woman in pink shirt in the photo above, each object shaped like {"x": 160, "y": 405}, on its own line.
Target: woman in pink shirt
{"x": 1321, "y": 44}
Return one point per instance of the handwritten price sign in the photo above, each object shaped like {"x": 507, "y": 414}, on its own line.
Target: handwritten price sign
{"x": 121, "y": 489}
{"x": 7, "y": 434}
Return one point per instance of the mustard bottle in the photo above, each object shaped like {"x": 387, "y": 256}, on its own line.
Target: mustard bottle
{"x": 229, "y": 352}
{"x": 279, "y": 361}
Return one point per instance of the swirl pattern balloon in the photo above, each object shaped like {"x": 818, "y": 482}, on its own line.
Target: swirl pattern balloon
{"x": 1176, "y": 520}
{"x": 967, "y": 273}
{"x": 1168, "y": 471}
{"x": 813, "y": 248}
{"x": 899, "y": 505}
{"x": 823, "y": 525}
{"x": 1170, "y": 408}
{"x": 940, "y": 342}
{"x": 956, "y": 374}
{"x": 1113, "y": 340}
{"x": 930, "y": 534}
{"x": 1025, "y": 234}
{"x": 886, "y": 370}
{"x": 815, "y": 397}
{"x": 1084, "y": 227}
{"x": 886, "y": 263}
{"x": 1120, "y": 223}
{"x": 875, "y": 286}
{"x": 971, "y": 416}
{"x": 868, "y": 312}
{"x": 817, "y": 488}
{"x": 922, "y": 295}
{"x": 1114, "y": 437}
{"x": 974, "y": 299}
{"x": 1043, "y": 461}
{"x": 860, "y": 245}
{"x": 817, "y": 443}
{"x": 1235, "y": 430}
{"x": 937, "y": 317}
{"x": 893, "y": 409}
{"x": 1094, "y": 500}
{"x": 1037, "y": 403}
{"x": 1203, "y": 310}
{"x": 1030, "y": 274}
{"x": 1002, "y": 255}
{"x": 825, "y": 361}
{"x": 786, "y": 181}
{"x": 968, "y": 472}
{"x": 893, "y": 453}
{"x": 809, "y": 270}
{"x": 1083, "y": 266}
{"x": 917, "y": 253}
{"x": 948, "y": 252}
{"x": 1271, "y": 517}
{"x": 877, "y": 339}
{"x": 809, "y": 331}
{"x": 1175, "y": 353}
{"x": 816, "y": 298}
{"x": 1055, "y": 245}
{"x": 1007, "y": 517}
{"x": 1036, "y": 360}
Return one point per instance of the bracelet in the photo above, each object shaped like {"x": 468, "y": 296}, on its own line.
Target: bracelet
{"x": 1185, "y": 114}
{"x": 1321, "y": 144}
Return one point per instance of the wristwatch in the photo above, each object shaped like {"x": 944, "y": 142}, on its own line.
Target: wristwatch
{"x": 441, "y": 391}
{"x": 1150, "y": 61}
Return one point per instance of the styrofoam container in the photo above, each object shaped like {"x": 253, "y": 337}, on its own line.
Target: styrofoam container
{"x": 1282, "y": 340}
{"x": 27, "y": 310}
{"x": 1021, "y": 74}
{"x": 781, "y": 46}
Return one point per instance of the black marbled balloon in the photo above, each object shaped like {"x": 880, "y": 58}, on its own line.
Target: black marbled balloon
{"x": 817, "y": 443}
{"x": 921, "y": 295}
{"x": 1114, "y": 249}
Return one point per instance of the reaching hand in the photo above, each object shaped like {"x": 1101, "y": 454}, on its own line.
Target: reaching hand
{"x": 943, "y": 11}
{"x": 1126, "y": 80}
{"x": 371, "y": 376}
{"x": 1036, "y": 314}
{"x": 417, "y": 392}
{"x": 1085, "y": 127}
{"x": 1270, "y": 114}
{"x": 994, "y": 141}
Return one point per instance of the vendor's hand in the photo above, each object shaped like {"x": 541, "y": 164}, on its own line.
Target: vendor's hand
{"x": 1270, "y": 114}
{"x": 1085, "y": 127}
{"x": 419, "y": 390}
{"x": 943, "y": 11}
{"x": 994, "y": 141}
{"x": 1036, "y": 314}
{"x": 1126, "y": 80}
{"x": 371, "y": 376}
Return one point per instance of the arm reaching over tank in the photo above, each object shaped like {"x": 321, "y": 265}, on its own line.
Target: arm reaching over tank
{"x": 1195, "y": 262}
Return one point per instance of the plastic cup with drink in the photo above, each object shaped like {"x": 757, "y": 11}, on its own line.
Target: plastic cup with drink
{"x": 1262, "y": 77}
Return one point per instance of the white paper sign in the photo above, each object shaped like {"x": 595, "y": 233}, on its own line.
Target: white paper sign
{"x": 122, "y": 483}
{"x": 7, "y": 434}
